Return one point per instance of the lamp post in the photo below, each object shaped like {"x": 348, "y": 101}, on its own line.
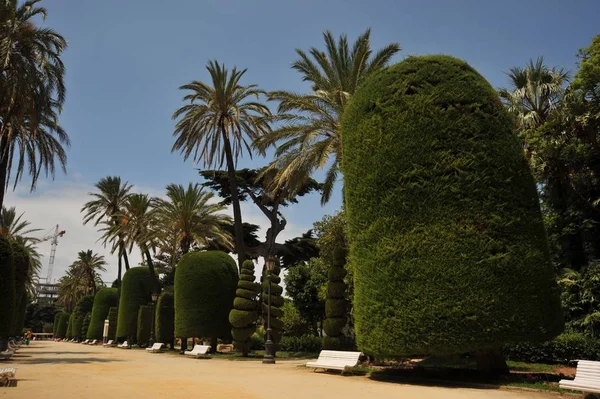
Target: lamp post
{"x": 269, "y": 358}
{"x": 154, "y": 298}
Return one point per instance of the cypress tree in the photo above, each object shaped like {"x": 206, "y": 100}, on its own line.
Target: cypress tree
{"x": 103, "y": 301}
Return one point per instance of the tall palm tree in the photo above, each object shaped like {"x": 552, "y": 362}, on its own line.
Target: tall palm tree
{"x": 535, "y": 90}
{"x": 192, "y": 217}
{"x": 218, "y": 124}
{"x": 32, "y": 92}
{"x": 87, "y": 267}
{"x": 309, "y": 136}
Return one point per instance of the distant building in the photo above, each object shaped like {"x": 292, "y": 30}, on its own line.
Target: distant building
{"x": 46, "y": 293}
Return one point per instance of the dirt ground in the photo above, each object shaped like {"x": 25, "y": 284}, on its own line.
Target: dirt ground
{"x": 62, "y": 370}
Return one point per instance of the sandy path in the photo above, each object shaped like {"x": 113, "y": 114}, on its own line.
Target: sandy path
{"x": 64, "y": 370}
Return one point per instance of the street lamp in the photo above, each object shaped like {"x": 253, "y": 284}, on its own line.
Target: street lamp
{"x": 154, "y": 298}
{"x": 269, "y": 358}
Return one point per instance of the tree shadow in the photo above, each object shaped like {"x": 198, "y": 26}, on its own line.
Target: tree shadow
{"x": 83, "y": 360}
{"x": 57, "y": 353}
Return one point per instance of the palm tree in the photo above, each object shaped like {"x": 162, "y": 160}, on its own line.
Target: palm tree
{"x": 190, "y": 217}
{"x": 309, "y": 129}
{"x": 32, "y": 92}
{"x": 535, "y": 90}
{"x": 81, "y": 278}
{"x": 218, "y": 124}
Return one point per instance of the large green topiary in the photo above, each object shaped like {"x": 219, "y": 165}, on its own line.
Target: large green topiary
{"x": 83, "y": 306}
{"x": 21, "y": 263}
{"x": 446, "y": 236}
{"x": 20, "y": 317}
{"x": 144, "y": 324}
{"x": 276, "y": 304}
{"x": 165, "y": 318}
{"x": 205, "y": 284}
{"x": 336, "y": 304}
{"x": 55, "y": 326}
{"x": 136, "y": 290}
{"x": 112, "y": 323}
{"x": 70, "y": 325}
{"x": 61, "y": 326}
{"x": 7, "y": 291}
{"x": 104, "y": 300}
{"x": 85, "y": 324}
{"x": 244, "y": 314}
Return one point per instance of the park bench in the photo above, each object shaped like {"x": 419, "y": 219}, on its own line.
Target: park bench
{"x": 109, "y": 343}
{"x": 6, "y": 374}
{"x": 198, "y": 350}
{"x": 155, "y": 348}
{"x": 335, "y": 360}
{"x": 94, "y": 342}
{"x": 87, "y": 341}
{"x": 124, "y": 345}
{"x": 5, "y": 355}
{"x": 587, "y": 377}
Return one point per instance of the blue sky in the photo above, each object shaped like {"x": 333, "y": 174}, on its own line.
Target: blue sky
{"x": 126, "y": 60}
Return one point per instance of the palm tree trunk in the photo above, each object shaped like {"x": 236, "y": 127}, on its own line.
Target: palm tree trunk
{"x": 235, "y": 201}
{"x": 118, "y": 287}
{"x": 4, "y": 155}
{"x": 125, "y": 257}
{"x": 152, "y": 271}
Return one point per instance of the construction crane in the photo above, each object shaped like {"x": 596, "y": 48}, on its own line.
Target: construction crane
{"x": 54, "y": 243}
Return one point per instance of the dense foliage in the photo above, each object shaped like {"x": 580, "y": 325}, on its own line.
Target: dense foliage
{"x": 276, "y": 303}
{"x": 83, "y": 307}
{"x": 446, "y": 237}
{"x": 85, "y": 324}
{"x": 136, "y": 290}
{"x": 336, "y": 306}
{"x": 244, "y": 314}
{"x": 61, "y": 325}
{"x": 305, "y": 285}
{"x": 304, "y": 343}
{"x": 21, "y": 263}
{"x": 144, "y": 324}
{"x": 112, "y": 323}
{"x": 7, "y": 289}
{"x": 565, "y": 349}
{"x": 36, "y": 315}
{"x": 70, "y": 324}
{"x": 205, "y": 286}
{"x": 105, "y": 299}
{"x": 165, "y": 318}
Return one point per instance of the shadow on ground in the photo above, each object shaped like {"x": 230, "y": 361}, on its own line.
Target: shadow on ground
{"x": 83, "y": 360}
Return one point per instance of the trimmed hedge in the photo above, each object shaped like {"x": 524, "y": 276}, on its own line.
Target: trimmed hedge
{"x": 105, "y": 299}
{"x": 21, "y": 263}
{"x": 144, "y": 324}
{"x": 276, "y": 303}
{"x": 70, "y": 325}
{"x": 82, "y": 308}
{"x": 305, "y": 343}
{"x": 244, "y": 314}
{"x": 446, "y": 237}
{"x": 112, "y": 323}
{"x": 136, "y": 290}
{"x": 336, "y": 306}
{"x": 86, "y": 324}
{"x": 20, "y": 316}
{"x": 7, "y": 290}
{"x": 55, "y": 326}
{"x": 61, "y": 327}
{"x": 205, "y": 286}
{"x": 165, "y": 318}
{"x": 564, "y": 349}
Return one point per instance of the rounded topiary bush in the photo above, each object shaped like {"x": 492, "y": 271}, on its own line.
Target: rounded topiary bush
{"x": 165, "y": 318}
{"x": 70, "y": 325}
{"x": 7, "y": 290}
{"x": 20, "y": 316}
{"x": 136, "y": 290}
{"x": 244, "y": 314}
{"x": 105, "y": 299}
{"x": 85, "y": 324}
{"x": 82, "y": 308}
{"x": 112, "y": 323}
{"x": 205, "y": 286}
{"x": 61, "y": 326}
{"x": 446, "y": 236}
{"x": 55, "y": 327}
{"x": 144, "y": 324}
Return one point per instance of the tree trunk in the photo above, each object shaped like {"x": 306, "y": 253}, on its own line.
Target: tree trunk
{"x": 213, "y": 344}
{"x": 125, "y": 257}
{"x": 235, "y": 200}
{"x": 183, "y": 344}
{"x": 491, "y": 363}
{"x": 3, "y": 173}
{"x": 118, "y": 287}
{"x": 152, "y": 271}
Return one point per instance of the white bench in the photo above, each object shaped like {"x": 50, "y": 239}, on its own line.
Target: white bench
{"x": 6, "y": 355}
{"x": 587, "y": 377}
{"x": 155, "y": 348}
{"x": 6, "y": 374}
{"x": 198, "y": 350}
{"x": 335, "y": 360}
{"x": 87, "y": 341}
{"x": 124, "y": 345}
{"x": 109, "y": 343}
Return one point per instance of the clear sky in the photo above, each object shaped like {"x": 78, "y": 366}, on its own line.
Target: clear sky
{"x": 127, "y": 58}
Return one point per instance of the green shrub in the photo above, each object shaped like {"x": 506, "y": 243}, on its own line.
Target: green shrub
{"x": 105, "y": 299}
{"x": 70, "y": 325}
{"x": 165, "y": 318}
{"x": 21, "y": 263}
{"x": 564, "y": 349}
{"x": 85, "y": 324}
{"x": 144, "y": 324}
{"x": 55, "y": 326}
{"x": 7, "y": 290}
{"x": 244, "y": 314}
{"x": 112, "y": 323}
{"x": 205, "y": 284}
{"x": 277, "y": 302}
{"x": 61, "y": 327}
{"x": 446, "y": 236}
{"x": 20, "y": 316}
{"x": 82, "y": 308}
{"x": 136, "y": 290}
{"x": 305, "y": 343}
{"x": 47, "y": 328}
{"x": 336, "y": 306}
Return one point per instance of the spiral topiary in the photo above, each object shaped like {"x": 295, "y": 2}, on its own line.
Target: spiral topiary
{"x": 165, "y": 318}
{"x": 446, "y": 236}
{"x": 205, "y": 284}
{"x": 136, "y": 290}
{"x": 7, "y": 291}
{"x": 144, "y": 324}
{"x": 103, "y": 301}
{"x": 336, "y": 304}
{"x": 276, "y": 303}
{"x": 244, "y": 314}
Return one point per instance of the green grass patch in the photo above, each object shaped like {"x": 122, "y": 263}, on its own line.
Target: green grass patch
{"x": 532, "y": 367}
{"x": 258, "y": 355}
{"x": 539, "y": 386}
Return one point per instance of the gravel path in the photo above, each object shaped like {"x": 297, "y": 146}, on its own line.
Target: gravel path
{"x": 48, "y": 369}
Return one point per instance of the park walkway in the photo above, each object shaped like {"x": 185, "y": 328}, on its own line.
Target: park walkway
{"x": 49, "y": 369}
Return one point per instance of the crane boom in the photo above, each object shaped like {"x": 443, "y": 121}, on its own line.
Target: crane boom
{"x": 54, "y": 243}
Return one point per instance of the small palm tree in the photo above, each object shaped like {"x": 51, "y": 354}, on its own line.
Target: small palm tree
{"x": 535, "y": 90}
{"x": 32, "y": 92}
{"x": 192, "y": 217}
{"x": 87, "y": 267}
{"x": 220, "y": 123}
{"x": 309, "y": 136}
